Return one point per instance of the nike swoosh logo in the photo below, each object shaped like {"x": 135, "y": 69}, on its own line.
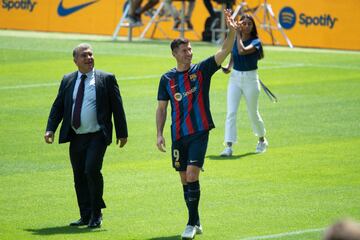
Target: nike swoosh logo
{"x": 193, "y": 161}
{"x": 67, "y": 11}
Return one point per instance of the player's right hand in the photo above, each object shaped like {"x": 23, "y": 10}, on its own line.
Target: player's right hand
{"x": 49, "y": 137}
{"x": 161, "y": 144}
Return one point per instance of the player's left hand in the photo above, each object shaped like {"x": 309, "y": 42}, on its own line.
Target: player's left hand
{"x": 122, "y": 141}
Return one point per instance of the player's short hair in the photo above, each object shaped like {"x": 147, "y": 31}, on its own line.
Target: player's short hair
{"x": 177, "y": 42}
{"x": 80, "y": 47}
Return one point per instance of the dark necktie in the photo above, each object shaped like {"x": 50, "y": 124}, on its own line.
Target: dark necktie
{"x": 78, "y": 103}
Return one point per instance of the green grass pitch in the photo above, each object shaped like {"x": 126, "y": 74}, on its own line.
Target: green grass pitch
{"x": 308, "y": 178}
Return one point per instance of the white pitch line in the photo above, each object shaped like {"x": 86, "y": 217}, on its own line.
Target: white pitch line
{"x": 282, "y": 64}
{"x": 295, "y": 65}
{"x": 58, "y": 83}
{"x": 25, "y": 86}
{"x": 334, "y": 66}
{"x": 29, "y": 86}
{"x": 285, "y": 234}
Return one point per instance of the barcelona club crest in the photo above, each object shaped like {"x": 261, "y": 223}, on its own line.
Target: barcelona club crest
{"x": 193, "y": 77}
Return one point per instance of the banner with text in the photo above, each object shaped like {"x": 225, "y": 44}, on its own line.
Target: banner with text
{"x": 306, "y": 23}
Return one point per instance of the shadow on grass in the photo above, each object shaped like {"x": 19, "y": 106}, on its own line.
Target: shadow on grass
{"x": 176, "y": 237}
{"x": 62, "y": 230}
{"x": 233, "y": 157}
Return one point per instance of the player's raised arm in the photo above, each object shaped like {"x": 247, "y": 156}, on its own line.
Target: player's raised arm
{"x": 221, "y": 55}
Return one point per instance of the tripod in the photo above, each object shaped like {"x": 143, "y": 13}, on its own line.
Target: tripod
{"x": 123, "y": 23}
{"x": 265, "y": 21}
{"x": 156, "y": 18}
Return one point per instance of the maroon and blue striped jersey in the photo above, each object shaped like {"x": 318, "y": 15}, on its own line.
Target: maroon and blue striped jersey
{"x": 188, "y": 93}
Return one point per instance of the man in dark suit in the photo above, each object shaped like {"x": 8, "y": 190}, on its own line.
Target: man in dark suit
{"x": 86, "y": 101}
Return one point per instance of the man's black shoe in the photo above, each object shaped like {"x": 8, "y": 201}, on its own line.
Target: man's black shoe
{"x": 80, "y": 222}
{"x": 95, "y": 222}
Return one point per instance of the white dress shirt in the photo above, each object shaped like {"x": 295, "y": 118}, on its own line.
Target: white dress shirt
{"x": 88, "y": 123}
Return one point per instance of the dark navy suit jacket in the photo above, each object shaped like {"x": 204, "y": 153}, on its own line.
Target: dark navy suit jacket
{"x": 108, "y": 104}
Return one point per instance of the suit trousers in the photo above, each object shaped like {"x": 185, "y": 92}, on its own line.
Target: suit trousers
{"x": 86, "y": 155}
{"x": 243, "y": 83}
